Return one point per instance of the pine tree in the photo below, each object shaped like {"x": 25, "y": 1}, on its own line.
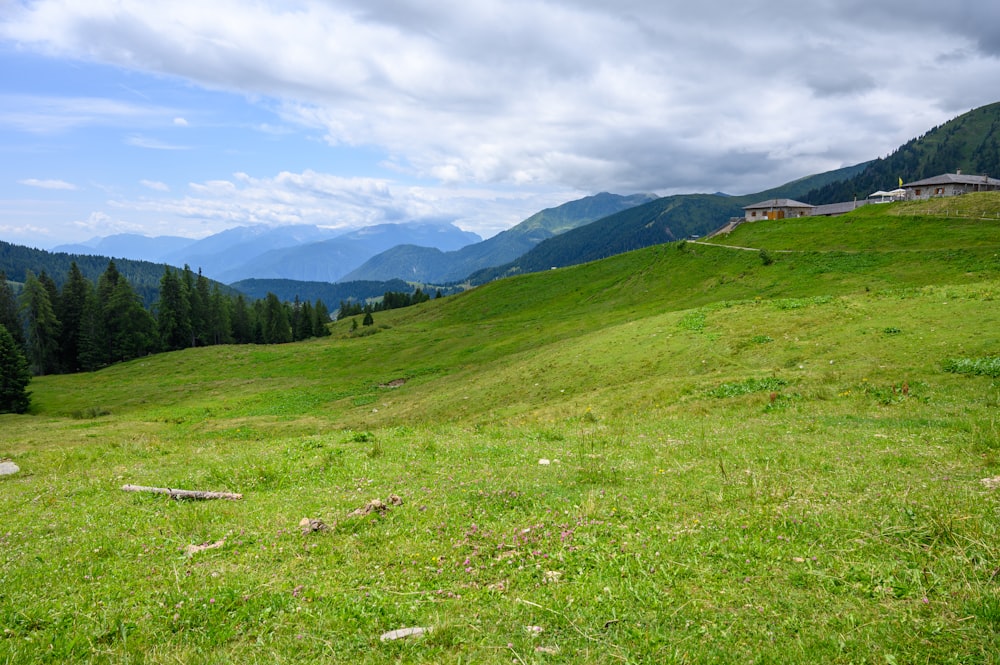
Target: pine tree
{"x": 107, "y": 282}
{"x": 173, "y": 313}
{"x": 242, "y": 323}
{"x": 368, "y": 320}
{"x": 14, "y": 375}
{"x": 321, "y": 317}
{"x": 306, "y": 321}
{"x": 50, "y": 287}
{"x": 276, "y": 329}
{"x": 41, "y": 325}
{"x": 8, "y": 311}
{"x": 69, "y": 310}
{"x": 221, "y": 328}
{"x": 93, "y": 352}
{"x": 197, "y": 310}
{"x": 201, "y": 315}
{"x": 295, "y": 319}
{"x": 130, "y": 329}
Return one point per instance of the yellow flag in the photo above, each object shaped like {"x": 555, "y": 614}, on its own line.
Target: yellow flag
{"x": 900, "y": 182}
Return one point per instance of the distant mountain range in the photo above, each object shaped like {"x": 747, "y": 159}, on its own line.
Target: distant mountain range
{"x": 430, "y": 265}
{"x": 301, "y": 252}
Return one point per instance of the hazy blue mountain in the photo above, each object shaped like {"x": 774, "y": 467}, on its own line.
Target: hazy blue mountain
{"x": 330, "y": 260}
{"x": 420, "y": 263}
{"x": 129, "y": 245}
{"x": 264, "y": 251}
{"x": 234, "y": 247}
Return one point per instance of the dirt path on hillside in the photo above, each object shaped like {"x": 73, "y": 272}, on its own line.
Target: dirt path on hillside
{"x": 745, "y": 249}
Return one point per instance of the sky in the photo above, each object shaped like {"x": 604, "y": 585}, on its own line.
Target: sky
{"x": 189, "y": 117}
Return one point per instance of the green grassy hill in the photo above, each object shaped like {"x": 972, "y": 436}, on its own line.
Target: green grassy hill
{"x": 663, "y": 220}
{"x": 744, "y": 461}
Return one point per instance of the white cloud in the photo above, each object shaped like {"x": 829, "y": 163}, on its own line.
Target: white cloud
{"x": 149, "y": 143}
{"x": 26, "y": 232}
{"x": 41, "y": 114}
{"x": 180, "y": 122}
{"x": 332, "y": 201}
{"x": 49, "y": 184}
{"x": 566, "y": 94}
{"x": 99, "y": 223}
{"x": 153, "y": 184}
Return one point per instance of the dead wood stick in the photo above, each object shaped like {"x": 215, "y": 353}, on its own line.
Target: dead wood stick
{"x": 183, "y": 494}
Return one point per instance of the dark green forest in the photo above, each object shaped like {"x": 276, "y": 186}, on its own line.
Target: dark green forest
{"x": 143, "y": 276}
{"x": 287, "y": 289}
{"x": 389, "y": 300}
{"x": 78, "y": 324}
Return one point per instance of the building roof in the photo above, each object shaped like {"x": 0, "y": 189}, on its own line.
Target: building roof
{"x": 836, "y": 208}
{"x": 883, "y": 194}
{"x": 955, "y": 179}
{"x": 770, "y": 204}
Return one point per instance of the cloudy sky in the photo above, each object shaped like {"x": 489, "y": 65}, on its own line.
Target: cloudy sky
{"x": 188, "y": 117}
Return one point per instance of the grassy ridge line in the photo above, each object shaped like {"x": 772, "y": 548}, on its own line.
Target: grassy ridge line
{"x": 519, "y": 314}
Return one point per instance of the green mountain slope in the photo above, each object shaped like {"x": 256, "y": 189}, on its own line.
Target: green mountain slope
{"x": 662, "y": 220}
{"x": 674, "y": 448}
{"x": 970, "y": 143}
{"x": 429, "y": 265}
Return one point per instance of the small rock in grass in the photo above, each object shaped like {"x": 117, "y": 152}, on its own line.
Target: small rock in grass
{"x": 991, "y": 483}
{"x": 191, "y": 550}
{"x": 544, "y": 462}
{"x": 8, "y": 468}
{"x": 376, "y": 506}
{"x": 310, "y": 525}
{"x": 400, "y": 633}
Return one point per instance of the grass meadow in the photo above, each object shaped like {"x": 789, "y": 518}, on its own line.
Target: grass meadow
{"x": 677, "y": 455}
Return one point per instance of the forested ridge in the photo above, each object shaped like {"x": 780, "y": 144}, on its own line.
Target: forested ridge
{"x": 84, "y": 325}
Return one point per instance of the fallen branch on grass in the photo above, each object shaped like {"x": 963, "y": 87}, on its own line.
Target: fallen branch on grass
{"x": 183, "y": 494}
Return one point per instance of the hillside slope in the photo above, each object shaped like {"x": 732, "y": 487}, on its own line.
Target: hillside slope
{"x": 662, "y": 220}
{"x": 682, "y": 447}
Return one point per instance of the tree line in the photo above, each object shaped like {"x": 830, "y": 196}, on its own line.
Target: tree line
{"x": 85, "y": 326}
{"x": 390, "y": 300}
